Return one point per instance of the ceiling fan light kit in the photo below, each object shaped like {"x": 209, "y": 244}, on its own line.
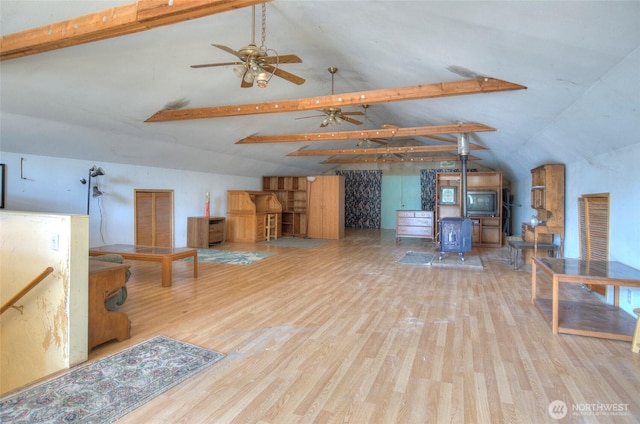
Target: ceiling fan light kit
{"x": 255, "y": 65}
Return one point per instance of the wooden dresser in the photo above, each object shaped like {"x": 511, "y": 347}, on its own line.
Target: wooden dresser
{"x": 416, "y": 224}
{"x": 205, "y": 231}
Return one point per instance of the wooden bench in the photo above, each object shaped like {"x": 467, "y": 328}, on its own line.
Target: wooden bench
{"x": 164, "y": 255}
{"x": 517, "y": 246}
{"x": 106, "y": 325}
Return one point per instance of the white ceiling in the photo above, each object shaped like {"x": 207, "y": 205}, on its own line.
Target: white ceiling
{"x": 579, "y": 60}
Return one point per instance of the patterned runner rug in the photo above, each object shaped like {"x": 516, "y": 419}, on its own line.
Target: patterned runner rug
{"x": 229, "y": 257}
{"x": 104, "y": 390}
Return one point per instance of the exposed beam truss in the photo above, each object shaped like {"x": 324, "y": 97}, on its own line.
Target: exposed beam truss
{"x": 387, "y": 159}
{"x": 117, "y": 21}
{"x": 380, "y": 150}
{"x": 414, "y": 92}
{"x": 389, "y": 132}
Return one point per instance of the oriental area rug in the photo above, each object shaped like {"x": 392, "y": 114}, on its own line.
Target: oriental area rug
{"x": 107, "y": 389}
{"x": 229, "y": 257}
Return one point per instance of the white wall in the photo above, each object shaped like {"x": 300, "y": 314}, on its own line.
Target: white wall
{"x": 616, "y": 173}
{"x": 49, "y": 184}
{"x": 51, "y": 332}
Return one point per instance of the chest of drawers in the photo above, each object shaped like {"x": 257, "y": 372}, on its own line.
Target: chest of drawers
{"x": 416, "y": 224}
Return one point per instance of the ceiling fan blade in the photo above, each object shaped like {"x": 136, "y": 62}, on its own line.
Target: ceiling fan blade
{"x": 284, "y": 74}
{"x": 287, "y": 58}
{"x": 209, "y": 65}
{"x": 350, "y": 120}
{"x": 228, "y": 50}
{"x": 305, "y": 117}
{"x": 244, "y": 83}
{"x": 353, "y": 113}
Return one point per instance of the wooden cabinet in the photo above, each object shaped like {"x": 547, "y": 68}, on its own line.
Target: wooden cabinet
{"x": 246, "y": 211}
{"x": 326, "y": 207}
{"x": 486, "y": 230}
{"x": 547, "y": 198}
{"x": 291, "y": 192}
{"x": 153, "y": 221}
{"x": 416, "y": 224}
{"x": 204, "y": 231}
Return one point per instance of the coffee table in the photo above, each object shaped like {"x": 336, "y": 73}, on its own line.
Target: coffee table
{"x": 594, "y": 319}
{"x": 164, "y": 255}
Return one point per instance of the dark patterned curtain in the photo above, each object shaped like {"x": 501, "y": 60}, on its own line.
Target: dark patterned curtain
{"x": 428, "y": 186}
{"x": 363, "y": 198}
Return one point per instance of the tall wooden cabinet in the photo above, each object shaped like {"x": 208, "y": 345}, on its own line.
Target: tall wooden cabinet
{"x": 291, "y": 191}
{"x": 326, "y": 207}
{"x": 547, "y": 198}
{"x": 486, "y": 230}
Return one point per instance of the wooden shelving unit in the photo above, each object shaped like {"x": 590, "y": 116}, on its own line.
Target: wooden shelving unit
{"x": 291, "y": 191}
{"x": 547, "y": 198}
{"x": 486, "y": 230}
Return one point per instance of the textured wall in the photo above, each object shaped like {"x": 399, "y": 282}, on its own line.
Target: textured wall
{"x": 51, "y": 332}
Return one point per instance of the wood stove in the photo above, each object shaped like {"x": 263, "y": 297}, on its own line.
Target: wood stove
{"x": 455, "y": 236}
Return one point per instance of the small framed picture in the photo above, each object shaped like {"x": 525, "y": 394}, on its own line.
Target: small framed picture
{"x": 448, "y": 195}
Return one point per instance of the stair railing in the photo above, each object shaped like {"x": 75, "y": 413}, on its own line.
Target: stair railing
{"x": 25, "y": 290}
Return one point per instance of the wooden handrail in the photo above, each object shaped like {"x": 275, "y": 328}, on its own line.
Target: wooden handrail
{"x": 26, "y": 289}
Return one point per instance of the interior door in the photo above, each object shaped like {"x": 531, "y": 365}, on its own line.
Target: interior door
{"x": 153, "y": 217}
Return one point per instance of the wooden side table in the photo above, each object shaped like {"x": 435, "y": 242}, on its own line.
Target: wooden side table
{"x": 204, "y": 231}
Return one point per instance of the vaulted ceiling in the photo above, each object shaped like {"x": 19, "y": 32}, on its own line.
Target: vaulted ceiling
{"x": 579, "y": 62}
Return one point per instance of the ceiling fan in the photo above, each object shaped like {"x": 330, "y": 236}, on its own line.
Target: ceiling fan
{"x": 255, "y": 64}
{"x": 334, "y": 115}
{"x": 368, "y": 141}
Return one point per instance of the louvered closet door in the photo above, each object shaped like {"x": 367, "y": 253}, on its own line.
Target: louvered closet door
{"x": 593, "y": 213}
{"x": 153, "y": 218}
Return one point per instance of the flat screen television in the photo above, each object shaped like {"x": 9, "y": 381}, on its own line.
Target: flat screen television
{"x": 482, "y": 203}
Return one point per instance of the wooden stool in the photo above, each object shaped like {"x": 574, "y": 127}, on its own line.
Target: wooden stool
{"x": 271, "y": 226}
{"x": 635, "y": 343}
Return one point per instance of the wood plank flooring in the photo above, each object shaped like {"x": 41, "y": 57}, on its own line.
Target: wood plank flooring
{"x": 342, "y": 333}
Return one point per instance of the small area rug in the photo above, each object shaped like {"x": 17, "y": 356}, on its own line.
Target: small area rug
{"x": 452, "y": 260}
{"x": 107, "y": 389}
{"x": 294, "y": 242}
{"x": 416, "y": 258}
{"x": 229, "y": 257}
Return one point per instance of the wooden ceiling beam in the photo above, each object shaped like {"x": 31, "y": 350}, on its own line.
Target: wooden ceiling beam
{"x": 386, "y": 159}
{"x": 117, "y": 21}
{"x": 393, "y": 132}
{"x": 414, "y": 92}
{"x": 380, "y": 150}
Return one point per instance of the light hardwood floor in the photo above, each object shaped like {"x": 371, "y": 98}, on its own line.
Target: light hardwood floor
{"x": 342, "y": 333}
